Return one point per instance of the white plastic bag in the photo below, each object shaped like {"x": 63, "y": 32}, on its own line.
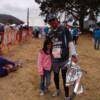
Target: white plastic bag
{"x": 73, "y": 76}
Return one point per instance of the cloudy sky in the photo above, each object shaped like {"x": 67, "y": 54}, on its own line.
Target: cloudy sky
{"x": 18, "y": 8}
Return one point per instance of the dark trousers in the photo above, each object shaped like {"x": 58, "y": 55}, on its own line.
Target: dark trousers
{"x": 56, "y": 80}
{"x": 75, "y": 39}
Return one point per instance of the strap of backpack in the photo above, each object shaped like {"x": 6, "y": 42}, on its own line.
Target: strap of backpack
{"x": 65, "y": 37}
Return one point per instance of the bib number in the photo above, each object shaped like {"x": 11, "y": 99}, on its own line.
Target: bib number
{"x": 56, "y": 52}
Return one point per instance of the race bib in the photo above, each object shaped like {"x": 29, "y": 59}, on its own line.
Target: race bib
{"x": 56, "y": 52}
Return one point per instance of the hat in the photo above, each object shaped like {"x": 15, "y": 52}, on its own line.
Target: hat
{"x": 51, "y": 17}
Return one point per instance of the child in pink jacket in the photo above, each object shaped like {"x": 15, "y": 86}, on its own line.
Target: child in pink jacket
{"x": 44, "y": 66}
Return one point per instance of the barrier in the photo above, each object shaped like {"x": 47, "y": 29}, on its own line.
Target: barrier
{"x": 13, "y": 36}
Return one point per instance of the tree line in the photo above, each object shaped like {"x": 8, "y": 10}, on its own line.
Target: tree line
{"x": 78, "y": 9}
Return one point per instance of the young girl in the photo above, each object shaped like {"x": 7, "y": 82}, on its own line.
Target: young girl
{"x": 44, "y": 66}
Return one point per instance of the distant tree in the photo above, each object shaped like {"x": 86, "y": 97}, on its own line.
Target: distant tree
{"x": 79, "y": 9}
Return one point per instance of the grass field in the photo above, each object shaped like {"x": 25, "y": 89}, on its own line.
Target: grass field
{"x": 24, "y": 83}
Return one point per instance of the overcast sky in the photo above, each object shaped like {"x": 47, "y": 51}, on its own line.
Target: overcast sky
{"x": 18, "y": 8}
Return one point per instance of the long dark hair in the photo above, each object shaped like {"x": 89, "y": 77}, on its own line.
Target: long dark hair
{"x": 45, "y": 49}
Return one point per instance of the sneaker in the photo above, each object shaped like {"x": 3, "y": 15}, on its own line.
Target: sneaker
{"x": 41, "y": 93}
{"x": 80, "y": 90}
{"x": 67, "y": 98}
{"x": 56, "y": 93}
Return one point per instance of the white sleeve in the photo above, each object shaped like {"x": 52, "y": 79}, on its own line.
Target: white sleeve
{"x": 72, "y": 49}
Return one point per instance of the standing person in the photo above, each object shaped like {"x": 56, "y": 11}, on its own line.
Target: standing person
{"x": 46, "y": 30}
{"x": 20, "y": 34}
{"x": 75, "y": 34}
{"x": 44, "y": 66}
{"x": 1, "y": 33}
{"x": 1, "y": 37}
{"x": 96, "y": 37}
{"x": 62, "y": 45}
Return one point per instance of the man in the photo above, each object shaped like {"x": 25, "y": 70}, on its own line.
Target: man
{"x": 96, "y": 36}
{"x": 75, "y": 34}
{"x": 62, "y": 47}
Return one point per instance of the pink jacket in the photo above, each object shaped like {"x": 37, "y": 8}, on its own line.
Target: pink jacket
{"x": 44, "y": 62}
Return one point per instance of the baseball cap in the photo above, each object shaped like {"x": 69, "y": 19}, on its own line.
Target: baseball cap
{"x": 51, "y": 17}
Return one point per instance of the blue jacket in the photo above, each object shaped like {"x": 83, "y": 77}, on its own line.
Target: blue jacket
{"x": 4, "y": 62}
{"x": 97, "y": 33}
{"x": 75, "y": 32}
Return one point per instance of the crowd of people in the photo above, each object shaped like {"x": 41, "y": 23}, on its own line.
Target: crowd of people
{"x": 12, "y": 34}
{"x": 40, "y": 32}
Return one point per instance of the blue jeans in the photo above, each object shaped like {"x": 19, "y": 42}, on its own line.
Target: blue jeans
{"x": 45, "y": 81}
{"x": 96, "y": 43}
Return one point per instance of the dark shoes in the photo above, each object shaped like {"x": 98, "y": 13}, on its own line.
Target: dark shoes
{"x": 70, "y": 97}
{"x": 56, "y": 93}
